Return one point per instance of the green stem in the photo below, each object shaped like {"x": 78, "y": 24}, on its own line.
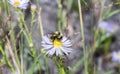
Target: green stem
{"x": 32, "y": 18}
{"x": 59, "y": 64}
{"x": 59, "y": 16}
{"x": 61, "y": 67}
{"x": 21, "y": 54}
{"x": 7, "y": 7}
{"x": 40, "y": 23}
{"x": 6, "y": 59}
{"x": 62, "y": 71}
{"x": 83, "y": 40}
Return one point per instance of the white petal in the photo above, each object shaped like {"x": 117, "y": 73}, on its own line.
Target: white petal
{"x": 68, "y": 49}
{"x": 67, "y": 44}
{"x": 24, "y": 1}
{"x": 47, "y": 53}
{"x": 23, "y": 6}
{"x": 47, "y": 40}
{"x": 64, "y": 51}
{"x": 58, "y": 50}
{"x": 64, "y": 39}
{"x": 115, "y": 56}
{"x": 43, "y": 42}
{"x": 11, "y": 2}
{"x": 52, "y": 51}
{"x": 47, "y": 46}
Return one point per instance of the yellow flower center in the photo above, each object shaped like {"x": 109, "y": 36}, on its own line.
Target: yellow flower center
{"x": 16, "y": 3}
{"x": 57, "y": 43}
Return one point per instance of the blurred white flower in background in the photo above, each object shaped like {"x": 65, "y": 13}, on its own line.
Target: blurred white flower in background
{"x": 56, "y": 44}
{"x": 3, "y": 0}
{"x": 116, "y": 56}
{"x": 19, "y": 3}
{"x": 108, "y": 27}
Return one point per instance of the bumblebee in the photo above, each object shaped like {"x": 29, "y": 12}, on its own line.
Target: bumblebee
{"x": 56, "y": 35}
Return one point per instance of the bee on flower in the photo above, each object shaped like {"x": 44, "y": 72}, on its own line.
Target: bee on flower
{"x": 116, "y": 56}
{"x": 19, "y": 3}
{"x": 56, "y": 44}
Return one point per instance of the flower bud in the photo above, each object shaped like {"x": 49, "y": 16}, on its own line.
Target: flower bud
{"x": 33, "y": 7}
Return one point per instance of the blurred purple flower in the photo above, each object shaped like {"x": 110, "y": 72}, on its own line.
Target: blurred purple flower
{"x": 116, "y": 56}
{"x": 108, "y": 27}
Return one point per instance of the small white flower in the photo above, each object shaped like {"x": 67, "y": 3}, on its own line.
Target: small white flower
{"x": 116, "y": 56}
{"x": 19, "y": 3}
{"x": 56, "y": 46}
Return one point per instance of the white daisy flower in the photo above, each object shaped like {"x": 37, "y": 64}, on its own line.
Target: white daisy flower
{"x": 116, "y": 56}
{"x": 56, "y": 45}
{"x": 19, "y": 3}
